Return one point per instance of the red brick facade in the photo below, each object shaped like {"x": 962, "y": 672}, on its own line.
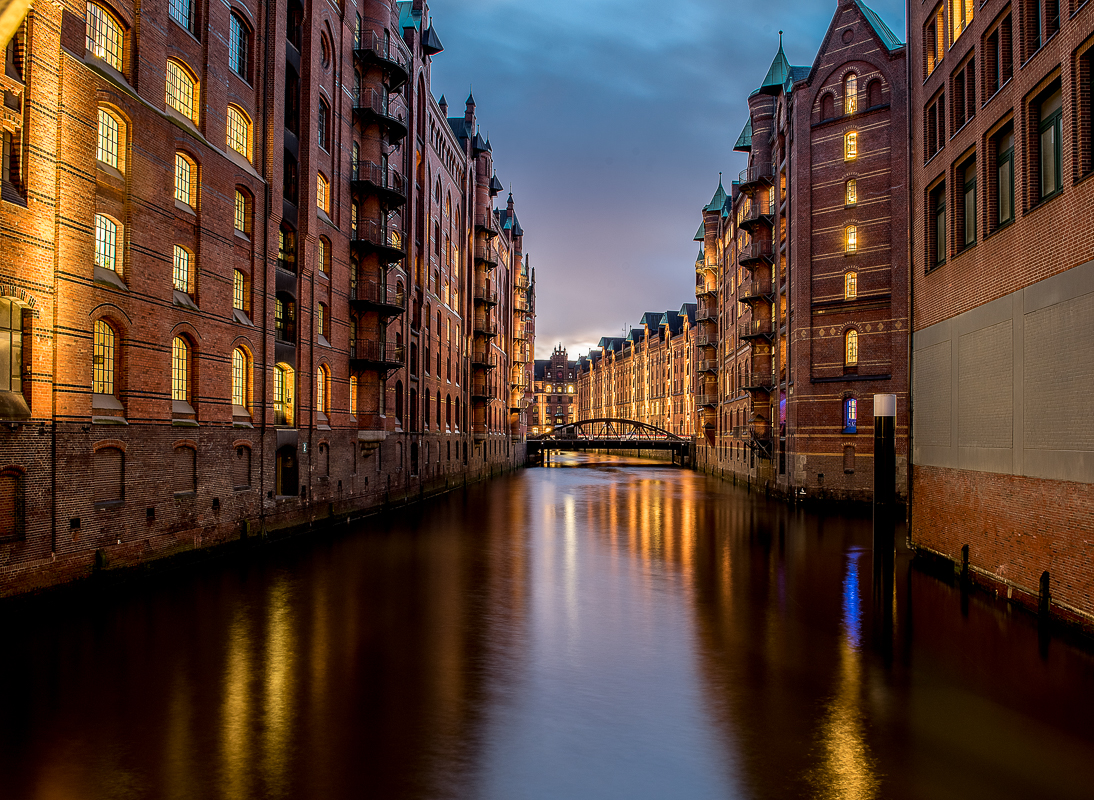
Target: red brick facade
{"x": 327, "y": 315}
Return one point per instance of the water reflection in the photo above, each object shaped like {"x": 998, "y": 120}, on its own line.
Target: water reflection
{"x": 589, "y": 630}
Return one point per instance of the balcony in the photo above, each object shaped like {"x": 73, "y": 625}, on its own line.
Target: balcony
{"x": 486, "y": 223}
{"x": 486, "y": 294}
{"x": 486, "y": 326}
{"x": 381, "y": 356}
{"x": 756, "y": 329}
{"x": 388, "y": 54}
{"x": 756, "y": 289}
{"x": 370, "y": 107}
{"x": 704, "y": 290}
{"x": 387, "y": 242}
{"x": 486, "y": 254}
{"x": 754, "y": 253}
{"x": 707, "y": 340}
{"x": 373, "y": 296}
{"x": 760, "y": 434}
{"x": 708, "y": 365}
{"x": 760, "y": 212}
{"x": 755, "y": 176}
{"x": 390, "y": 187}
{"x": 484, "y": 389}
{"x": 761, "y": 381}
{"x": 706, "y": 400}
{"x": 706, "y": 312}
{"x": 520, "y": 302}
{"x": 483, "y": 359}
{"x": 519, "y": 333}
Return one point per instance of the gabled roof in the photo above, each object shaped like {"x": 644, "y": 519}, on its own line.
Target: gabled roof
{"x": 539, "y": 369}
{"x": 673, "y": 321}
{"x": 718, "y": 202}
{"x": 636, "y": 335}
{"x": 509, "y": 222}
{"x": 478, "y": 145}
{"x": 744, "y": 141}
{"x": 652, "y": 319}
{"x": 888, "y": 38}
{"x": 460, "y": 127}
{"x": 688, "y": 310}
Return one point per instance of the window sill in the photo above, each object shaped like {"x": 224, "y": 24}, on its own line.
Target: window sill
{"x": 1044, "y": 201}
{"x": 109, "y": 277}
{"x": 323, "y": 341}
{"x": 242, "y": 235}
{"x": 184, "y": 301}
{"x": 96, "y": 420}
{"x": 242, "y": 318}
{"x": 185, "y": 208}
{"x": 113, "y": 173}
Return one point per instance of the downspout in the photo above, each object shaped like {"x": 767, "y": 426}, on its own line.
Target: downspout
{"x": 266, "y": 92}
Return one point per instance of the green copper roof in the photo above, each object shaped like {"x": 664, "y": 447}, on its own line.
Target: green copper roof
{"x": 887, "y": 36}
{"x": 717, "y": 203}
{"x": 744, "y": 141}
{"x": 778, "y": 71}
{"x": 699, "y": 234}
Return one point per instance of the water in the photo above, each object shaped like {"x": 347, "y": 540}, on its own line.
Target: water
{"x": 589, "y": 630}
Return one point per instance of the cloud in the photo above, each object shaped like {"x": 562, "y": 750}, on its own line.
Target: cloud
{"x": 612, "y": 119}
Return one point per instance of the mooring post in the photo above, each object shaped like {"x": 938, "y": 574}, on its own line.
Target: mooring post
{"x": 884, "y": 516}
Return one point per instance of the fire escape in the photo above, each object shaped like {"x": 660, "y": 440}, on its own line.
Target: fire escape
{"x": 484, "y": 360}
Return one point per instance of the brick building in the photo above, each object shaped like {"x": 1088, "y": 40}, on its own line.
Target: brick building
{"x": 251, "y": 276}
{"x": 1002, "y": 282}
{"x": 802, "y": 277}
{"x": 647, "y": 376}
{"x": 554, "y": 389}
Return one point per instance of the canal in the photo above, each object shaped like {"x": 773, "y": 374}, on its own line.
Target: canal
{"x": 596, "y": 629}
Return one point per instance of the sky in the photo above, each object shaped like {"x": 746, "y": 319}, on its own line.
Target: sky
{"x": 611, "y": 120}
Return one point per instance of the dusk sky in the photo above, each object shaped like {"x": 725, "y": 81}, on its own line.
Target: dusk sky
{"x": 612, "y": 119}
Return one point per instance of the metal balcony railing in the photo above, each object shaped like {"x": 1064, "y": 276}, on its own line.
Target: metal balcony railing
{"x": 378, "y": 296}
{"x": 486, "y": 253}
{"x": 484, "y": 359}
{"x": 706, "y": 312}
{"x": 389, "y": 184}
{"x": 753, "y": 252}
{"x": 487, "y": 326}
{"x": 384, "y": 354}
{"x": 708, "y": 365}
{"x": 755, "y": 328}
{"x": 487, "y": 294}
{"x": 483, "y": 389}
{"x": 388, "y": 239}
{"x": 753, "y": 175}
{"x": 760, "y": 210}
{"x": 706, "y": 400}
{"x": 372, "y": 106}
{"x": 485, "y": 222}
{"x": 390, "y": 53}
{"x": 762, "y": 380}
{"x": 706, "y": 340}
{"x": 755, "y": 289}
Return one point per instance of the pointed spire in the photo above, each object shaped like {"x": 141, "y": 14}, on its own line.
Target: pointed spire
{"x": 779, "y": 69}
{"x": 444, "y": 105}
{"x": 719, "y": 200}
{"x": 470, "y": 99}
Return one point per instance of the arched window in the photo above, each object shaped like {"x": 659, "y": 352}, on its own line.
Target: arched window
{"x": 185, "y": 179}
{"x": 457, "y": 413}
{"x": 182, "y": 90}
{"x": 241, "y": 379}
{"x": 282, "y": 394}
{"x": 323, "y": 255}
{"x": 322, "y": 193}
{"x": 104, "y": 36}
{"x": 109, "y": 139}
{"x": 850, "y": 145}
{"x": 850, "y": 285}
{"x": 851, "y": 238}
{"x": 399, "y": 403}
{"x": 828, "y": 106}
{"x": 239, "y": 291}
{"x": 322, "y": 385}
{"x": 323, "y": 123}
{"x": 448, "y": 411}
{"x": 183, "y": 266}
{"x": 850, "y": 94}
{"x": 850, "y": 348}
{"x": 238, "y": 50}
{"x": 322, "y": 320}
{"x": 448, "y": 205}
{"x": 873, "y": 94}
{"x": 239, "y": 132}
{"x": 242, "y": 219}
{"x": 438, "y": 410}
{"x": 353, "y": 395}
{"x": 425, "y": 404}
{"x": 851, "y": 193}
{"x": 102, "y": 358}
{"x": 106, "y": 243}
{"x": 180, "y": 370}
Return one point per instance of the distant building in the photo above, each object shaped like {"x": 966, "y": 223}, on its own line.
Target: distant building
{"x": 648, "y": 376}
{"x": 251, "y": 275}
{"x": 802, "y": 276}
{"x": 555, "y": 386}
{"x": 1002, "y": 203}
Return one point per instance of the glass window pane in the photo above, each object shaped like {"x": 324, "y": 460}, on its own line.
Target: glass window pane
{"x": 104, "y": 36}
{"x": 102, "y": 380}
{"x": 180, "y": 91}
{"x": 182, "y": 179}
{"x": 239, "y": 133}
{"x": 106, "y": 243}
{"x": 182, "y": 11}
{"x": 182, "y": 269}
{"x": 180, "y": 370}
{"x": 107, "y": 149}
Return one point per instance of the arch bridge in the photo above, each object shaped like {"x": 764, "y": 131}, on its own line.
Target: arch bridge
{"x": 609, "y": 434}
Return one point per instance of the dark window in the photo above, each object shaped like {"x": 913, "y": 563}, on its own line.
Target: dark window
{"x": 1046, "y": 147}
{"x": 186, "y": 470}
{"x": 285, "y": 319}
{"x": 936, "y": 226}
{"x": 237, "y": 46}
{"x": 1004, "y": 176}
{"x": 11, "y": 347}
{"x": 1032, "y": 27}
{"x": 324, "y": 124}
{"x": 873, "y": 94}
{"x": 182, "y": 12}
{"x": 966, "y": 221}
{"x": 12, "y": 505}
{"x": 935, "y": 126}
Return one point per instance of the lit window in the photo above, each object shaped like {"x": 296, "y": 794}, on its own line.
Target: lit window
{"x": 322, "y": 194}
{"x": 851, "y": 196}
{"x": 237, "y": 46}
{"x": 104, "y": 36}
{"x": 180, "y": 370}
{"x": 241, "y": 212}
{"x": 184, "y": 179}
{"x": 850, "y": 285}
{"x": 323, "y": 256}
{"x": 850, "y": 348}
{"x": 353, "y": 395}
{"x": 961, "y": 14}
{"x": 850, "y": 415}
{"x": 321, "y": 319}
{"x": 283, "y": 405}
{"x": 850, "y": 145}
{"x": 102, "y": 359}
{"x": 239, "y": 290}
{"x": 852, "y": 238}
{"x": 11, "y": 346}
{"x": 239, "y": 378}
{"x": 239, "y": 132}
{"x": 850, "y": 94}
{"x": 106, "y": 243}
{"x": 181, "y": 91}
{"x": 182, "y": 12}
{"x": 107, "y": 149}
{"x": 321, "y": 390}
{"x": 182, "y": 269}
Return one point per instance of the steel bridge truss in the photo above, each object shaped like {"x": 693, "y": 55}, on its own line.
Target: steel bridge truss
{"x": 607, "y": 434}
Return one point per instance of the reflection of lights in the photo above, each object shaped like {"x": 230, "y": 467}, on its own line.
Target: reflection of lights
{"x": 852, "y": 603}
{"x": 279, "y": 664}
{"x": 236, "y": 724}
